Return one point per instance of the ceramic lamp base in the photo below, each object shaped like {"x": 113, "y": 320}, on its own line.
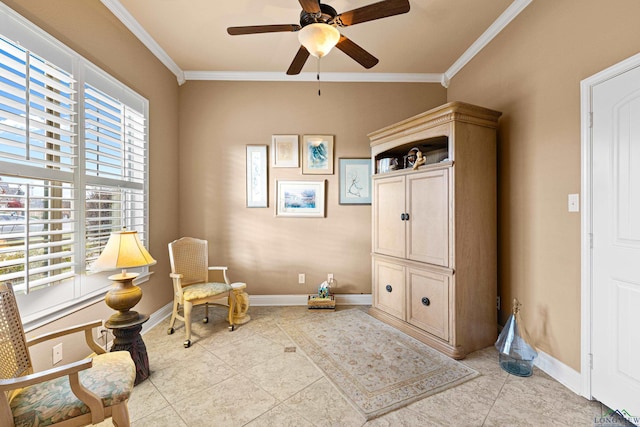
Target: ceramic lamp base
{"x": 123, "y": 296}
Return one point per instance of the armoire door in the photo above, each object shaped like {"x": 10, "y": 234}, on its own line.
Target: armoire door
{"x": 389, "y": 211}
{"x": 428, "y": 223}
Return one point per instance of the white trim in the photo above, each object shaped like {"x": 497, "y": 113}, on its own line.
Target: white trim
{"x": 290, "y": 300}
{"x": 157, "y": 317}
{"x": 494, "y": 29}
{"x": 134, "y": 26}
{"x": 443, "y": 78}
{"x": 586, "y": 87}
{"x": 268, "y": 76}
{"x": 560, "y": 372}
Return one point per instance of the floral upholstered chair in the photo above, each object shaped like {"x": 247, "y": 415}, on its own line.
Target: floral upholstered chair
{"x": 190, "y": 269}
{"x": 76, "y": 394}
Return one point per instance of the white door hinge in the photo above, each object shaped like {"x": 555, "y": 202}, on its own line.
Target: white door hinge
{"x": 591, "y": 119}
{"x": 590, "y": 360}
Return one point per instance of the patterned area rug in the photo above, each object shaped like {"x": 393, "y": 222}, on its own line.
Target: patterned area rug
{"x": 375, "y": 366}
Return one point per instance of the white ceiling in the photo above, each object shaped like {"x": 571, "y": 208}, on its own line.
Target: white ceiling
{"x": 429, "y": 43}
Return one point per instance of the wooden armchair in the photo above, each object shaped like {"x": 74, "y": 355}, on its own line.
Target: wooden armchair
{"x": 76, "y": 394}
{"x": 190, "y": 269}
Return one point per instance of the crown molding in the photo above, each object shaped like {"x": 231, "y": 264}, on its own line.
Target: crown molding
{"x": 134, "y": 26}
{"x": 267, "y": 76}
{"x": 494, "y": 29}
{"x": 498, "y": 25}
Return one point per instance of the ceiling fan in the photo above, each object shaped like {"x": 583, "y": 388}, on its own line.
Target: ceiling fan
{"x": 318, "y": 32}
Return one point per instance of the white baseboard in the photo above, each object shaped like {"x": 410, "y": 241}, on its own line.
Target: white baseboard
{"x": 157, "y": 317}
{"x": 560, "y": 372}
{"x": 281, "y": 300}
{"x": 264, "y": 300}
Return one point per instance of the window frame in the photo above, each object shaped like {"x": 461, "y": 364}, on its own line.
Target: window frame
{"x": 87, "y": 288}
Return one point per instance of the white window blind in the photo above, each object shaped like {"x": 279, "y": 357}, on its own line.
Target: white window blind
{"x": 73, "y": 168}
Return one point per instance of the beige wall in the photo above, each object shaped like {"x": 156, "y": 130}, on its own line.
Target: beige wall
{"x": 217, "y": 121}
{"x": 532, "y": 72}
{"x": 92, "y": 30}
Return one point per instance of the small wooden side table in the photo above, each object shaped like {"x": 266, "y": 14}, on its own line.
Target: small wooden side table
{"x": 127, "y": 337}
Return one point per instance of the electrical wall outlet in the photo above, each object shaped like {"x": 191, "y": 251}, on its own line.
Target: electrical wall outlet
{"x": 329, "y": 277}
{"x": 57, "y": 353}
{"x": 301, "y": 278}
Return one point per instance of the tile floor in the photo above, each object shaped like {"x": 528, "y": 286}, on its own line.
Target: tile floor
{"x": 246, "y": 378}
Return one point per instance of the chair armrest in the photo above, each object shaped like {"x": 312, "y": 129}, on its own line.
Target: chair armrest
{"x": 176, "y": 275}
{"x": 88, "y": 336}
{"x": 49, "y": 374}
{"x": 90, "y": 399}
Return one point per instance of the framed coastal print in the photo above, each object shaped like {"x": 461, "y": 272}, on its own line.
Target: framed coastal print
{"x": 317, "y": 154}
{"x": 257, "y": 183}
{"x": 355, "y": 181}
{"x": 300, "y": 199}
{"x": 284, "y": 150}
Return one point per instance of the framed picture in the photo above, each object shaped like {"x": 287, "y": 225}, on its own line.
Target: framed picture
{"x": 257, "y": 183}
{"x": 317, "y": 154}
{"x": 300, "y": 199}
{"x": 284, "y": 149}
{"x": 355, "y": 181}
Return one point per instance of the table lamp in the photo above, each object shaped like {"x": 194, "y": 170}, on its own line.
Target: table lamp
{"x": 123, "y": 250}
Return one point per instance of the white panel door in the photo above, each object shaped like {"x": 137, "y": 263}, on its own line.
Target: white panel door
{"x": 615, "y": 376}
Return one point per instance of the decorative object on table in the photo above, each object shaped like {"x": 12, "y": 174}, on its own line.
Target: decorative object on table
{"x": 516, "y": 356}
{"x": 123, "y": 250}
{"x": 284, "y": 150}
{"x": 189, "y": 259}
{"x": 300, "y": 199}
{"x": 355, "y": 181}
{"x": 317, "y": 154}
{"x": 378, "y": 368}
{"x": 257, "y": 183}
{"x": 57, "y": 394}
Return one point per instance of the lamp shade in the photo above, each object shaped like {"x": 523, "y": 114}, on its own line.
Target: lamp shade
{"x": 123, "y": 250}
{"x": 319, "y": 38}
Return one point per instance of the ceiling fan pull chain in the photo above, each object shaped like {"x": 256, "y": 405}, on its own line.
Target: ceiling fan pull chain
{"x": 318, "y": 77}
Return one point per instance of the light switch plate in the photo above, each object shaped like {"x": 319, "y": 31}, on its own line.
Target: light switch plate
{"x": 574, "y": 203}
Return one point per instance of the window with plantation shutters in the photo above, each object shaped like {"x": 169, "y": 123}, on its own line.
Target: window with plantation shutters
{"x": 73, "y": 168}
{"x": 115, "y": 168}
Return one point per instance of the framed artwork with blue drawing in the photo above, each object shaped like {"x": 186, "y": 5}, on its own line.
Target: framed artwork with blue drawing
{"x": 317, "y": 154}
{"x": 355, "y": 181}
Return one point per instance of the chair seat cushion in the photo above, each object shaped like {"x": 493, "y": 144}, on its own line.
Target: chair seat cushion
{"x": 111, "y": 378}
{"x": 204, "y": 290}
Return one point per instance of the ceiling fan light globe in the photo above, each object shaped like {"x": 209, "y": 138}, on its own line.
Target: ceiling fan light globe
{"x": 318, "y": 38}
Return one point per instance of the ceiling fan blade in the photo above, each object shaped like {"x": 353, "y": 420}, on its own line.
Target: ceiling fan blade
{"x": 310, "y": 6}
{"x": 257, "y": 29}
{"x": 373, "y": 11}
{"x": 298, "y": 61}
{"x": 357, "y": 53}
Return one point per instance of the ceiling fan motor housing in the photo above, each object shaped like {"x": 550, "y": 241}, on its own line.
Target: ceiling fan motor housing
{"x": 327, "y": 15}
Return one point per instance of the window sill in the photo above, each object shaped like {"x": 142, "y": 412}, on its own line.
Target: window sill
{"x": 41, "y": 319}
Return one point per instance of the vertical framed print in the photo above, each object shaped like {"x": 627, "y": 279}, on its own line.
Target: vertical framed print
{"x": 355, "y": 181}
{"x": 257, "y": 180}
{"x": 284, "y": 150}
{"x": 317, "y": 154}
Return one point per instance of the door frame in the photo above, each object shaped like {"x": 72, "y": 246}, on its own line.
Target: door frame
{"x": 586, "y": 226}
